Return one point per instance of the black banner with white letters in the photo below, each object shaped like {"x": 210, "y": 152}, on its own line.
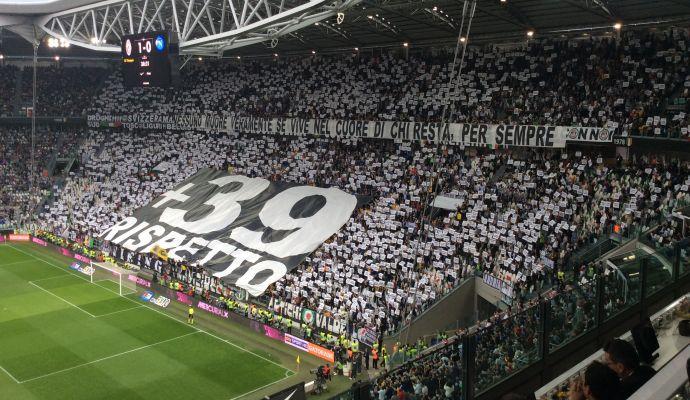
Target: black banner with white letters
{"x": 141, "y": 260}
{"x": 247, "y": 231}
{"x": 481, "y": 135}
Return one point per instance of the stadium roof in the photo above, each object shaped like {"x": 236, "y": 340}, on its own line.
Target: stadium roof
{"x": 39, "y": 6}
{"x": 377, "y": 23}
{"x": 255, "y": 27}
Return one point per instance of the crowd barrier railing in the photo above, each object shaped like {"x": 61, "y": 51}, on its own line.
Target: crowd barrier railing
{"x": 496, "y": 353}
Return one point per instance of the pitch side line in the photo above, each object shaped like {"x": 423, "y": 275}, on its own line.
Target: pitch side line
{"x": 71, "y": 304}
{"x": 107, "y": 358}
{"x": 10, "y": 375}
{"x": 160, "y": 312}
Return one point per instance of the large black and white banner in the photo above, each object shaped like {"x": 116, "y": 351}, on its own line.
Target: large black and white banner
{"x": 483, "y": 135}
{"x": 247, "y": 231}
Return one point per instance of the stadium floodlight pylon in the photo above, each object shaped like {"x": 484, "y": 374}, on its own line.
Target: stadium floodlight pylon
{"x": 100, "y": 272}
{"x": 201, "y": 27}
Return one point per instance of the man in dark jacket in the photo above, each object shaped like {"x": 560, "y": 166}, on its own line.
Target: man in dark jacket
{"x": 623, "y": 359}
{"x": 598, "y": 383}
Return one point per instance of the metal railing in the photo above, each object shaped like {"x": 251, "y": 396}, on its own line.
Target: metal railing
{"x": 506, "y": 347}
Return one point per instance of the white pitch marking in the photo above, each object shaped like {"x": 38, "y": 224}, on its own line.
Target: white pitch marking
{"x": 162, "y": 313}
{"x": 107, "y": 358}
{"x": 10, "y": 375}
{"x": 71, "y": 304}
{"x": 16, "y": 263}
{"x": 121, "y": 311}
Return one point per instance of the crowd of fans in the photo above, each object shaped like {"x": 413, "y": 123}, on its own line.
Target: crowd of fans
{"x": 22, "y": 188}
{"x": 519, "y": 214}
{"x": 670, "y": 231}
{"x": 509, "y": 341}
{"x": 17, "y": 196}
{"x": 388, "y": 263}
{"x": 62, "y": 91}
{"x": 8, "y": 75}
{"x": 621, "y": 82}
{"x": 435, "y": 376}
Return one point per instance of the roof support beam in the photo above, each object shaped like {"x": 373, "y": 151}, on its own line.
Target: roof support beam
{"x": 411, "y": 18}
{"x": 200, "y": 24}
{"x": 591, "y": 10}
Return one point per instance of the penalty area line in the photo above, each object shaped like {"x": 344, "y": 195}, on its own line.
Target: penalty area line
{"x": 120, "y": 311}
{"x": 107, "y": 358}
{"x": 162, "y": 313}
{"x": 66, "y": 301}
{"x": 10, "y": 375}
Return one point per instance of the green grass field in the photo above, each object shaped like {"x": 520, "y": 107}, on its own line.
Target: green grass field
{"x": 62, "y": 337}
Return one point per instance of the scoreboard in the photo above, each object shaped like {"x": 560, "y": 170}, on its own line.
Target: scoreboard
{"x": 146, "y": 59}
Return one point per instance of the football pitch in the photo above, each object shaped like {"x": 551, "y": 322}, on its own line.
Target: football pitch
{"x": 62, "y": 337}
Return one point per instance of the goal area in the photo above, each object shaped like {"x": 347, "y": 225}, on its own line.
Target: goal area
{"x": 112, "y": 277}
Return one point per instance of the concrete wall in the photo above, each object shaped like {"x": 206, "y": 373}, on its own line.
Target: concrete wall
{"x": 455, "y": 310}
{"x": 488, "y": 293}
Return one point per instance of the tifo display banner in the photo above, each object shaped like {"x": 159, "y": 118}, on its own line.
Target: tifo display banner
{"x": 175, "y": 122}
{"x": 295, "y": 392}
{"x": 248, "y": 232}
{"x": 138, "y": 259}
{"x": 483, "y": 135}
{"x": 306, "y": 316}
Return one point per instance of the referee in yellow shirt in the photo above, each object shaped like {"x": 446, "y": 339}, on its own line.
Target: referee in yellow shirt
{"x": 190, "y": 317}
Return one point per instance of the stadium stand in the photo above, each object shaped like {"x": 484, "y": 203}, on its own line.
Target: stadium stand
{"x": 522, "y": 213}
{"x": 19, "y": 200}
{"x": 504, "y": 211}
{"x": 7, "y": 89}
{"x": 556, "y": 207}
{"x": 589, "y": 82}
{"x": 64, "y": 91}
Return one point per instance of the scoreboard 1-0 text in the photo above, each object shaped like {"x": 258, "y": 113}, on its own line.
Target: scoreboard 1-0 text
{"x": 146, "y": 59}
